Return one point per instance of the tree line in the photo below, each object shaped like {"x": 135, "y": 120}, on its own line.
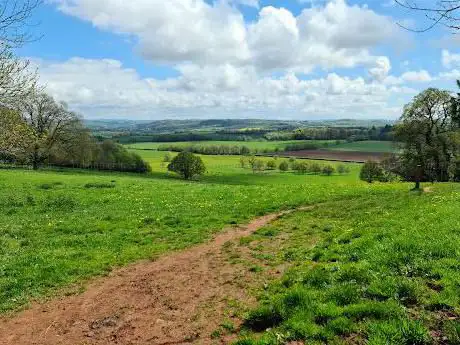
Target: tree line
{"x": 314, "y": 133}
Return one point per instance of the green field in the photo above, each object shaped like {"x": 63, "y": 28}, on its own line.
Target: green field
{"x": 379, "y": 269}
{"x": 366, "y": 146}
{"x": 253, "y": 145}
{"x": 59, "y": 228}
{"x": 371, "y": 263}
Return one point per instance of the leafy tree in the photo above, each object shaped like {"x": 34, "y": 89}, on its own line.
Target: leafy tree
{"x": 428, "y": 131}
{"x": 371, "y": 171}
{"x": 315, "y": 168}
{"x": 328, "y": 170}
{"x": 187, "y": 165}
{"x": 14, "y": 134}
{"x": 50, "y": 123}
{"x": 258, "y": 165}
{"x": 271, "y": 165}
{"x": 284, "y": 166}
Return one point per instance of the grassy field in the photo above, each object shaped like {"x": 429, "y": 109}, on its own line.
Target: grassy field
{"x": 253, "y": 145}
{"x": 365, "y": 146}
{"x": 372, "y": 264}
{"x": 59, "y": 228}
{"x": 383, "y": 268}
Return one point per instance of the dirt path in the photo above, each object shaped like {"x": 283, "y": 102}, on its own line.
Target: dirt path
{"x": 179, "y": 299}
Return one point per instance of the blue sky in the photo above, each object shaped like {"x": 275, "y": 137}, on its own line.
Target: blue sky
{"x": 283, "y": 59}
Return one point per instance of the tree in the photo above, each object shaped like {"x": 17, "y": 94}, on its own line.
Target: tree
{"x": 14, "y": 134}
{"x": 271, "y": 165}
{"x": 50, "y": 123}
{"x": 16, "y": 81}
{"x": 328, "y": 170}
{"x": 187, "y": 165}
{"x": 371, "y": 171}
{"x": 284, "y": 166}
{"x": 258, "y": 165}
{"x": 428, "y": 130}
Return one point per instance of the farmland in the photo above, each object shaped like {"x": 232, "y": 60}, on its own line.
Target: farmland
{"x": 253, "y": 145}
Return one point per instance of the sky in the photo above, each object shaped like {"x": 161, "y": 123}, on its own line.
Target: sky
{"x": 271, "y": 59}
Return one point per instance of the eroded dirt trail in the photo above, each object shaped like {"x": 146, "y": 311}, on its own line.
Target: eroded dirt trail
{"x": 177, "y": 299}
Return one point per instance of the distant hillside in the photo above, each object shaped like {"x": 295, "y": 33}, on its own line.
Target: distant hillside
{"x": 177, "y": 126}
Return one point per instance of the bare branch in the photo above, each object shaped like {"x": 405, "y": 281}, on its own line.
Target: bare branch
{"x": 443, "y": 12}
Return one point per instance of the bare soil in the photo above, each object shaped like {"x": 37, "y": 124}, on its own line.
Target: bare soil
{"x": 342, "y": 156}
{"x": 180, "y": 298}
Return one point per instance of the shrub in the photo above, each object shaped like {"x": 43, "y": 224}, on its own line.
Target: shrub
{"x": 315, "y": 168}
{"x": 284, "y": 166}
{"x": 343, "y": 169}
{"x": 99, "y": 185}
{"x": 258, "y": 165}
{"x": 328, "y": 170}
{"x": 187, "y": 165}
{"x": 271, "y": 165}
{"x": 301, "y": 168}
{"x": 371, "y": 171}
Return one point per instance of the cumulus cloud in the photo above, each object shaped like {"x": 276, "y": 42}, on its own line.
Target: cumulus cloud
{"x": 104, "y": 88}
{"x": 179, "y": 31}
{"x": 227, "y": 65}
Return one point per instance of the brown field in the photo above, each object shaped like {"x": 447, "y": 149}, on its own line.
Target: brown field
{"x": 343, "y": 156}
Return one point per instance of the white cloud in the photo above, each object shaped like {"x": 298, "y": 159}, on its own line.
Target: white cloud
{"x": 417, "y": 76}
{"x": 449, "y": 59}
{"x": 451, "y": 75}
{"x": 381, "y": 69}
{"x": 179, "y": 31}
{"x": 104, "y": 88}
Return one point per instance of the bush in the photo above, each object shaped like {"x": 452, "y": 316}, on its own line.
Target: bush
{"x": 343, "y": 169}
{"x": 284, "y": 166}
{"x": 328, "y": 170}
{"x": 301, "y": 168}
{"x": 315, "y": 168}
{"x": 187, "y": 165}
{"x": 258, "y": 165}
{"x": 371, "y": 171}
{"x": 271, "y": 165}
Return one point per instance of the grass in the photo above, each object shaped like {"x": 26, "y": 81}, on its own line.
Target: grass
{"x": 58, "y": 228}
{"x": 383, "y": 269}
{"x": 365, "y": 146}
{"x": 253, "y": 145}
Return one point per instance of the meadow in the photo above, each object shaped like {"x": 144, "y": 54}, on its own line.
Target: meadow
{"x": 58, "y": 228}
{"x": 370, "y": 263}
{"x": 366, "y": 146}
{"x": 252, "y": 145}
{"x": 382, "y": 268}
